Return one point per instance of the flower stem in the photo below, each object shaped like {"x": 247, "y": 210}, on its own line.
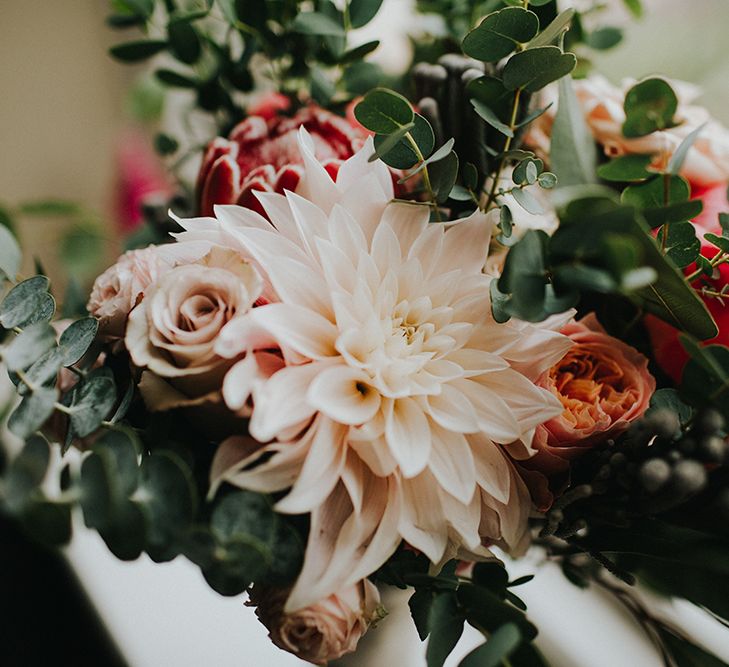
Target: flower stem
{"x": 497, "y": 174}
{"x": 426, "y": 175}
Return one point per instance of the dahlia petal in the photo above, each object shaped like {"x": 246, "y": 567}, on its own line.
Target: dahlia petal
{"x": 453, "y": 411}
{"x": 466, "y": 243}
{"x": 427, "y": 248}
{"x": 408, "y": 221}
{"x": 310, "y": 220}
{"x": 283, "y": 388}
{"x": 385, "y": 249}
{"x": 357, "y": 167}
{"x": 494, "y": 417}
{"x": 408, "y": 435}
{"x": 315, "y": 184}
{"x": 491, "y": 468}
{"x": 321, "y": 470}
{"x": 343, "y": 394}
{"x": 346, "y": 234}
{"x": 228, "y": 456}
{"x": 451, "y": 463}
{"x": 422, "y": 523}
{"x": 297, "y": 327}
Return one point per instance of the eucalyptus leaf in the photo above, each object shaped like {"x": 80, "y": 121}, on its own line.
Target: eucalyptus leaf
{"x": 77, "y": 338}
{"x": 92, "y": 402}
{"x": 26, "y": 473}
{"x": 650, "y": 105}
{"x": 680, "y": 154}
{"x": 27, "y": 303}
{"x": 573, "y": 153}
{"x": 443, "y": 175}
{"x": 384, "y": 111}
{"x": 500, "y": 33}
{"x": 500, "y": 645}
{"x": 10, "y": 255}
{"x": 627, "y": 169}
{"x": 361, "y": 12}
{"x": 554, "y": 30}
{"x": 33, "y": 411}
{"x": 533, "y": 69}
{"x": 491, "y": 118}
{"x": 317, "y": 23}
{"x": 445, "y": 626}
{"x": 27, "y": 346}
{"x": 133, "y": 52}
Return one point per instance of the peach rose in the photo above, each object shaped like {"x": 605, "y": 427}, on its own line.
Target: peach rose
{"x": 707, "y": 161}
{"x": 603, "y": 385}
{"x": 173, "y": 331}
{"x": 323, "y": 631}
{"x": 122, "y": 286}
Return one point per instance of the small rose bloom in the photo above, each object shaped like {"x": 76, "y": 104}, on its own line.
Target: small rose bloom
{"x": 707, "y": 161}
{"x": 323, "y": 631}
{"x": 122, "y": 286}
{"x": 173, "y": 331}
{"x": 603, "y": 385}
{"x": 261, "y": 154}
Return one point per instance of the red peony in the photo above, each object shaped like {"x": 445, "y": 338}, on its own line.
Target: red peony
{"x": 667, "y": 349}
{"x": 263, "y": 155}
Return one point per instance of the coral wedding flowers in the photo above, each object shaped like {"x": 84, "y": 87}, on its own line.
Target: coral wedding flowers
{"x": 397, "y": 389}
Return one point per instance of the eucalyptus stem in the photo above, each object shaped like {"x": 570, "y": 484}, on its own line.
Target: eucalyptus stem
{"x": 426, "y": 175}
{"x": 502, "y": 163}
{"x": 717, "y": 260}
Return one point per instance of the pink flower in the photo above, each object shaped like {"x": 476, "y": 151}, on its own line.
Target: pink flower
{"x": 603, "y": 385}
{"x": 172, "y": 333}
{"x": 323, "y": 631}
{"x": 122, "y": 286}
{"x": 140, "y": 173}
{"x": 261, "y": 154}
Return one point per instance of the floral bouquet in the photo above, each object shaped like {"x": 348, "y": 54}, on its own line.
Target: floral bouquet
{"x": 399, "y": 330}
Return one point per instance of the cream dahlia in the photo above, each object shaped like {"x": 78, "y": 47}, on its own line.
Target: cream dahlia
{"x": 396, "y": 389}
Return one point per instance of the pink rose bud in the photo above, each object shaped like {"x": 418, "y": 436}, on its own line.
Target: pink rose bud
{"x": 323, "y": 631}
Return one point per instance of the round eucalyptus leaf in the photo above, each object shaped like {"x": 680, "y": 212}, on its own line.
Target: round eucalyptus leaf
{"x": 92, "y": 401}
{"x": 33, "y": 411}
{"x": 384, "y": 111}
{"x": 27, "y": 346}
{"x": 77, "y": 339}
{"x": 500, "y": 33}
{"x": 27, "y": 303}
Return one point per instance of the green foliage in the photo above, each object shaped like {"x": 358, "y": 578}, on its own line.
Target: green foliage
{"x": 705, "y": 378}
{"x": 132, "y": 52}
{"x": 533, "y": 69}
{"x": 626, "y": 169}
{"x": 496, "y": 650}
{"x": 573, "y": 154}
{"x": 27, "y": 303}
{"x": 384, "y": 111}
{"x": 650, "y": 105}
{"x": 10, "y": 256}
{"x": 500, "y": 33}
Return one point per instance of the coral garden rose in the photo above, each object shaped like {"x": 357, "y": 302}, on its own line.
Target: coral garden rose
{"x": 261, "y": 154}
{"x": 603, "y": 385}
{"x": 323, "y": 631}
{"x": 707, "y": 161}
{"x": 667, "y": 349}
{"x": 173, "y": 331}
{"x": 397, "y": 390}
{"x": 122, "y": 286}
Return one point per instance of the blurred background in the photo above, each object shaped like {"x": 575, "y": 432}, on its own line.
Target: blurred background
{"x": 73, "y": 121}
{"x": 75, "y": 126}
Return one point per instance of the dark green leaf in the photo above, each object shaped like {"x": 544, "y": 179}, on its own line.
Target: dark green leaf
{"x": 721, "y": 242}
{"x": 358, "y": 52}
{"x": 361, "y": 12}
{"x": 92, "y": 403}
{"x": 27, "y": 346}
{"x": 604, "y": 38}
{"x": 26, "y": 473}
{"x": 573, "y": 153}
{"x": 669, "y": 399}
{"x": 491, "y": 118}
{"x": 419, "y": 603}
{"x": 44, "y": 370}
{"x": 77, "y": 339}
{"x": 387, "y": 143}
{"x": 535, "y": 68}
{"x": 48, "y": 522}
{"x": 527, "y": 201}
{"x": 681, "y": 245}
{"x": 626, "y": 169}
{"x": 445, "y": 625}
{"x": 524, "y": 276}
{"x": 184, "y": 42}
{"x": 27, "y": 303}
{"x": 33, "y": 411}
{"x": 137, "y": 51}
{"x": 172, "y": 78}
{"x": 443, "y": 175}
{"x": 500, "y": 645}
{"x": 164, "y": 144}
{"x": 649, "y": 105}
{"x": 384, "y": 111}
{"x": 505, "y": 221}
{"x": 500, "y": 33}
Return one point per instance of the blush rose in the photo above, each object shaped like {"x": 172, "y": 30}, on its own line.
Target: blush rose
{"x": 172, "y": 333}
{"x": 603, "y": 385}
{"x": 323, "y": 631}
